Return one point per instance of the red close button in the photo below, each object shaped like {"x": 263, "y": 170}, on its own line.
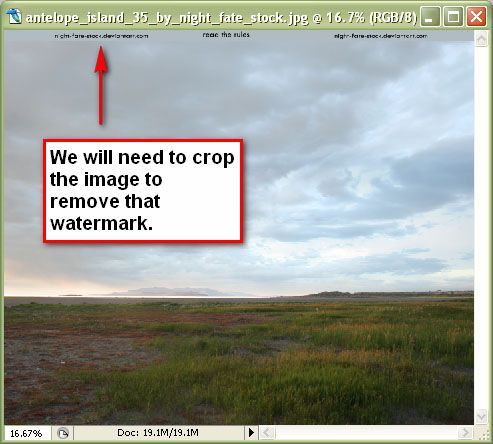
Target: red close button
{"x": 476, "y": 15}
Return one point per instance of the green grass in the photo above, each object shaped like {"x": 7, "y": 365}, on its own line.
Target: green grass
{"x": 284, "y": 363}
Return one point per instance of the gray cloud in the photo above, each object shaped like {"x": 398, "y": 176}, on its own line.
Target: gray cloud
{"x": 429, "y": 179}
{"x": 394, "y": 263}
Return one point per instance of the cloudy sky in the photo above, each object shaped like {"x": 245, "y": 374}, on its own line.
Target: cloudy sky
{"x": 359, "y": 158}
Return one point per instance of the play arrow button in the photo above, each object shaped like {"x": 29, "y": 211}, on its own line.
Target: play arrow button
{"x": 251, "y": 433}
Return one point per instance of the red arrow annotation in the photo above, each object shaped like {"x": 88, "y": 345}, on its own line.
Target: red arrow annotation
{"x": 101, "y": 68}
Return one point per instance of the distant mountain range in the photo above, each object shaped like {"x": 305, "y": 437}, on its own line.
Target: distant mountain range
{"x": 209, "y": 292}
{"x": 184, "y": 291}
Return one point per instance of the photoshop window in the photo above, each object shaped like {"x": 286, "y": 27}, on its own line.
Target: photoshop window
{"x": 242, "y": 220}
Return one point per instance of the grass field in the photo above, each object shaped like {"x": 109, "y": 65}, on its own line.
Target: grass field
{"x": 240, "y": 363}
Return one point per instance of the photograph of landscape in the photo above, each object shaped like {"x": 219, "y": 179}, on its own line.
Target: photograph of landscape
{"x": 350, "y": 300}
{"x": 406, "y": 360}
